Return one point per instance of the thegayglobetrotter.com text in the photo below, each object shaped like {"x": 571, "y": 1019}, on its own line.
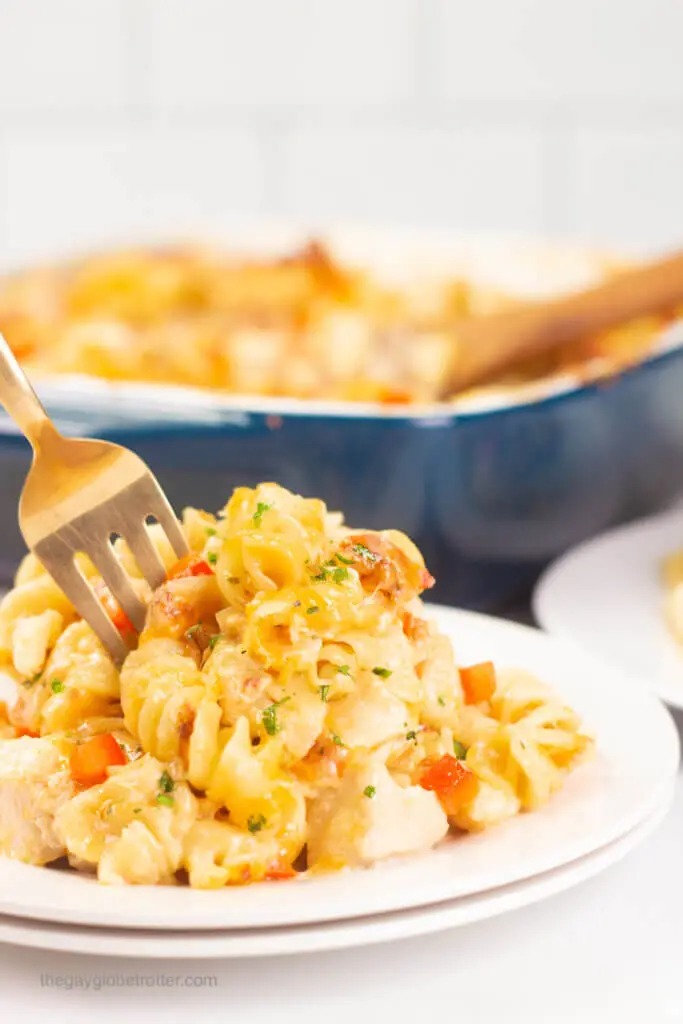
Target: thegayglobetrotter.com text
{"x": 117, "y": 979}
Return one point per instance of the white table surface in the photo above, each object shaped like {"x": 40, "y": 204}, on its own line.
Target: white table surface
{"x": 608, "y": 951}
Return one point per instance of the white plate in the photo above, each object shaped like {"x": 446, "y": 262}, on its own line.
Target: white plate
{"x": 606, "y": 596}
{"x": 337, "y": 935}
{"x": 601, "y": 801}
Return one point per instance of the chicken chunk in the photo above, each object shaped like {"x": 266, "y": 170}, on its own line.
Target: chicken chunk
{"x": 34, "y": 782}
{"x": 370, "y": 817}
{"x": 32, "y": 640}
{"x": 369, "y": 715}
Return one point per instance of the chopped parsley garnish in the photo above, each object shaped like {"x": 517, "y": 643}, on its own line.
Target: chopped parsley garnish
{"x": 166, "y": 783}
{"x": 411, "y": 735}
{"x": 214, "y": 640}
{"x": 312, "y": 610}
{"x": 137, "y": 810}
{"x": 344, "y": 670}
{"x": 193, "y": 629}
{"x": 270, "y": 722}
{"x": 324, "y": 690}
{"x": 269, "y": 717}
{"x": 260, "y": 509}
{"x": 330, "y": 570}
{"x": 56, "y": 685}
{"x": 442, "y": 702}
{"x": 256, "y": 822}
{"x": 460, "y": 750}
{"x": 34, "y": 679}
{"x": 165, "y": 800}
{"x": 212, "y": 558}
{"x": 209, "y": 531}
{"x": 337, "y": 739}
{"x": 366, "y": 553}
{"x": 342, "y": 560}
{"x": 369, "y": 792}
{"x": 383, "y": 673}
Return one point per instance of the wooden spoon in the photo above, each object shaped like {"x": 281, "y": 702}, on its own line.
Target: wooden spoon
{"x": 484, "y": 346}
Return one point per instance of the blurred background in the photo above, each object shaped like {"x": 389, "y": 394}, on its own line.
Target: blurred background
{"x": 550, "y": 119}
{"x": 129, "y": 121}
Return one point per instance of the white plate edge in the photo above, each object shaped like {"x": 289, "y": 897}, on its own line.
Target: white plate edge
{"x": 332, "y": 936}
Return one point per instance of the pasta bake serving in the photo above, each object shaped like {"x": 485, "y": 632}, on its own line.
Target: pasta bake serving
{"x": 288, "y": 708}
{"x": 672, "y": 579}
{"x": 308, "y": 325}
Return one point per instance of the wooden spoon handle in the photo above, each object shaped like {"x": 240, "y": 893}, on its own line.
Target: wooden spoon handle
{"x": 487, "y": 345}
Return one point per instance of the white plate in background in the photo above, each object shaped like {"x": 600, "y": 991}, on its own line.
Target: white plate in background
{"x": 606, "y": 595}
{"x": 336, "y": 935}
{"x": 602, "y": 801}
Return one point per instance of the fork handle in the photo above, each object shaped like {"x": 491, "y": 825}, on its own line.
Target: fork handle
{"x": 21, "y": 401}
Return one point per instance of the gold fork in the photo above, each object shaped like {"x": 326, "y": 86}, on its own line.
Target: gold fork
{"x": 78, "y": 495}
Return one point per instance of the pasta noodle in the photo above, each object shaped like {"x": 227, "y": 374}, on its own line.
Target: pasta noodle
{"x": 121, "y": 826}
{"x": 672, "y": 579}
{"x": 219, "y": 854}
{"x": 287, "y": 706}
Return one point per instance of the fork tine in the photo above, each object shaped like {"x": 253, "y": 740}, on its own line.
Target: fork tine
{"x": 146, "y": 555}
{"x": 150, "y": 497}
{"x": 69, "y": 577}
{"x": 166, "y": 518}
{"x": 119, "y": 582}
{"x": 158, "y": 505}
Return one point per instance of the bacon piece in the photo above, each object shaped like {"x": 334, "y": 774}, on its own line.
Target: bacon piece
{"x": 415, "y": 629}
{"x": 384, "y": 567}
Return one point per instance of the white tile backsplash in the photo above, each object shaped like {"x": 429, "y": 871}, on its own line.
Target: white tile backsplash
{"x": 274, "y": 53}
{"x": 629, "y": 186}
{"x": 561, "y": 50}
{"x": 69, "y": 189}
{"x": 465, "y": 178}
{"x": 62, "y": 55}
{"x": 125, "y": 117}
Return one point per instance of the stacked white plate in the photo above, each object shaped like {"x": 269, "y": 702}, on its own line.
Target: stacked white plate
{"x": 622, "y": 620}
{"x": 607, "y": 807}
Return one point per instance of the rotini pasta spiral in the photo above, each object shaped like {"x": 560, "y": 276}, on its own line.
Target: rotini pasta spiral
{"x": 523, "y": 753}
{"x": 79, "y": 681}
{"x": 30, "y": 600}
{"x": 218, "y": 854}
{"x": 171, "y": 706}
{"x": 124, "y": 829}
{"x": 161, "y": 690}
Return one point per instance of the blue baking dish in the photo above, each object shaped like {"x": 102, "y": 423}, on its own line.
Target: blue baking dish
{"x": 491, "y": 489}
